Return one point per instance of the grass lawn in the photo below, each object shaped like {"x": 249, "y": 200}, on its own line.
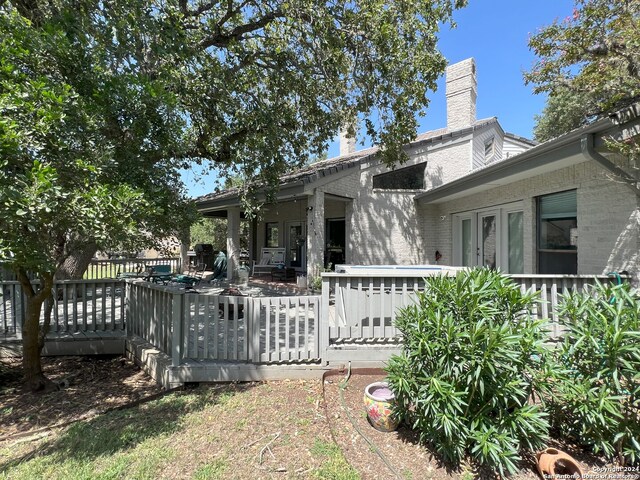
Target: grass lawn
{"x": 224, "y": 431}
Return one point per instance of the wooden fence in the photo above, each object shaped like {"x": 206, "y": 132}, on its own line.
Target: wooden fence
{"x": 363, "y": 307}
{"x": 78, "y": 306}
{"x": 112, "y": 267}
{"x": 200, "y": 326}
{"x": 195, "y": 327}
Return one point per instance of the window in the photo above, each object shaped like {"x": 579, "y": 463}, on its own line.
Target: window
{"x": 489, "y": 150}
{"x": 408, "y": 178}
{"x": 557, "y": 233}
{"x": 272, "y": 237}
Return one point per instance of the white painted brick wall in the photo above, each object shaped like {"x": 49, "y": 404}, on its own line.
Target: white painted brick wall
{"x": 608, "y": 218}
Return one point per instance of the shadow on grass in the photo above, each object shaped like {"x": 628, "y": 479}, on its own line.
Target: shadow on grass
{"x": 124, "y": 429}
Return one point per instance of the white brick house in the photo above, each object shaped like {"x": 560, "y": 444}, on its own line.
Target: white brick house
{"x": 470, "y": 191}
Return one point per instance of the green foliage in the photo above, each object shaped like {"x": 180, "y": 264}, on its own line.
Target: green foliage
{"x": 565, "y": 111}
{"x": 214, "y": 231}
{"x": 594, "y": 51}
{"x": 77, "y": 166}
{"x": 472, "y": 361}
{"x": 589, "y": 63}
{"x": 597, "y": 397}
{"x": 105, "y": 94}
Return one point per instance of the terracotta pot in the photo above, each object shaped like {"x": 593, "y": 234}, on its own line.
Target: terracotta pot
{"x": 378, "y": 402}
{"x": 552, "y": 462}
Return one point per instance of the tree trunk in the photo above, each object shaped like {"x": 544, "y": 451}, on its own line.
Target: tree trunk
{"x": 35, "y": 380}
{"x": 77, "y": 263}
{"x": 185, "y": 240}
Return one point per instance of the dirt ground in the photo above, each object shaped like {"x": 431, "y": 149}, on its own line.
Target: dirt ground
{"x": 298, "y": 419}
{"x": 401, "y": 454}
{"x": 88, "y": 386}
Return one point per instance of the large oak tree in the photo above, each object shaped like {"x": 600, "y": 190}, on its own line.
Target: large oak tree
{"x": 102, "y": 102}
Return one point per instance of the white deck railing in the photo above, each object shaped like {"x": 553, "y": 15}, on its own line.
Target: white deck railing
{"x": 203, "y": 326}
{"x": 79, "y": 306}
{"x": 190, "y": 326}
{"x": 110, "y": 268}
{"x": 363, "y": 306}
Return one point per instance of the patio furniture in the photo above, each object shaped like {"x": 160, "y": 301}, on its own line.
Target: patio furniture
{"x": 192, "y": 278}
{"x": 158, "y": 274}
{"x": 269, "y": 258}
{"x": 138, "y": 273}
{"x": 283, "y": 274}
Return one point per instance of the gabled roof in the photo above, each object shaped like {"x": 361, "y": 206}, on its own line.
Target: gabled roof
{"x": 519, "y": 139}
{"x": 554, "y": 154}
{"x": 319, "y": 170}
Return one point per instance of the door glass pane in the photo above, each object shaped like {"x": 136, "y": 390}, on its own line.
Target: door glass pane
{"x": 296, "y": 243}
{"x": 466, "y": 242}
{"x": 489, "y": 241}
{"x": 272, "y": 235}
{"x": 515, "y": 240}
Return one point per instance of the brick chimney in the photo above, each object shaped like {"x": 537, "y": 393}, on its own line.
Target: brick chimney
{"x": 462, "y": 91}
{"x": 347, "y": 143}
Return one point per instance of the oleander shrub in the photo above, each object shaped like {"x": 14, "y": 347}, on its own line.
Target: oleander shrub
{"x": 472, "y": 363}
{"x": 596, "y": 398}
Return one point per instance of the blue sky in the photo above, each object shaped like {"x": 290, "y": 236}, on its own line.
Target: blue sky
{"x": 495, "y": 34}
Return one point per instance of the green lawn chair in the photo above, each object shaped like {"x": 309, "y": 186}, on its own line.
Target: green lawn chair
{"x": 191, "y": 279}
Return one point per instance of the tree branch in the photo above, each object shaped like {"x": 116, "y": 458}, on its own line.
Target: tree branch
{"x": 30, "y": 10}
{"x": 221, "y": 39}
{"x": 184, "y": 8}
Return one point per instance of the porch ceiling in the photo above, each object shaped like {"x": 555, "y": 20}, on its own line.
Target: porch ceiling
{"x": 218, "y": 206}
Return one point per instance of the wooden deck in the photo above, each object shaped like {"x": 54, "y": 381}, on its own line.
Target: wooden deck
{"x": 271, "y": 332}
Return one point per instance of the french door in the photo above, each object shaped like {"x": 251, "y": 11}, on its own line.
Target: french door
{"x": 295, "y": 243}
{"x": 490, "y": 237}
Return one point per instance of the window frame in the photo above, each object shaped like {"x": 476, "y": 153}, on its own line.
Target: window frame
{"x": 566, "y": 251}
{"x": 267, "y": 237}
{"x": 501, "y": 212}
{"x": 381, "y": 176}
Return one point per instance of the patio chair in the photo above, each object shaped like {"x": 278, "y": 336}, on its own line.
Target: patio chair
{"x": 192, "y": 278}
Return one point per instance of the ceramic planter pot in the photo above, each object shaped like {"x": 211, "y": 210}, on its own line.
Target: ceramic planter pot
{"x": 552, "y": 462}
{"x": 378, "y": 402}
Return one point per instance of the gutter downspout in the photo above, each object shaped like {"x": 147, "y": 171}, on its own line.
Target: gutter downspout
{"x": 586, "y": 145}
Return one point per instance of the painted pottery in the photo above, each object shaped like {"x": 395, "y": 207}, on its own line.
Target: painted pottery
{"x": 378, "y": 402}
{"x": 552, "y": 462}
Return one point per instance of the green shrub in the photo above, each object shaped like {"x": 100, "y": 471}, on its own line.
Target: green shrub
{"x": 597, "y": 397}
{"x": 472, "y": 360}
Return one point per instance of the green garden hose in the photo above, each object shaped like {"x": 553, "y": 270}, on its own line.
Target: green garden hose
{"x": 374, "y": 448}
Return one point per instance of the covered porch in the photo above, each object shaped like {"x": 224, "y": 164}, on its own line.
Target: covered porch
{"x": 310, "y": 226}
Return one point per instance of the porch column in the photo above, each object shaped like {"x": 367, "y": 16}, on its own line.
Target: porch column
{"x": 315, "y": 233}
{"x": 233, "y": 241}
{"x": 348, "y": 233}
